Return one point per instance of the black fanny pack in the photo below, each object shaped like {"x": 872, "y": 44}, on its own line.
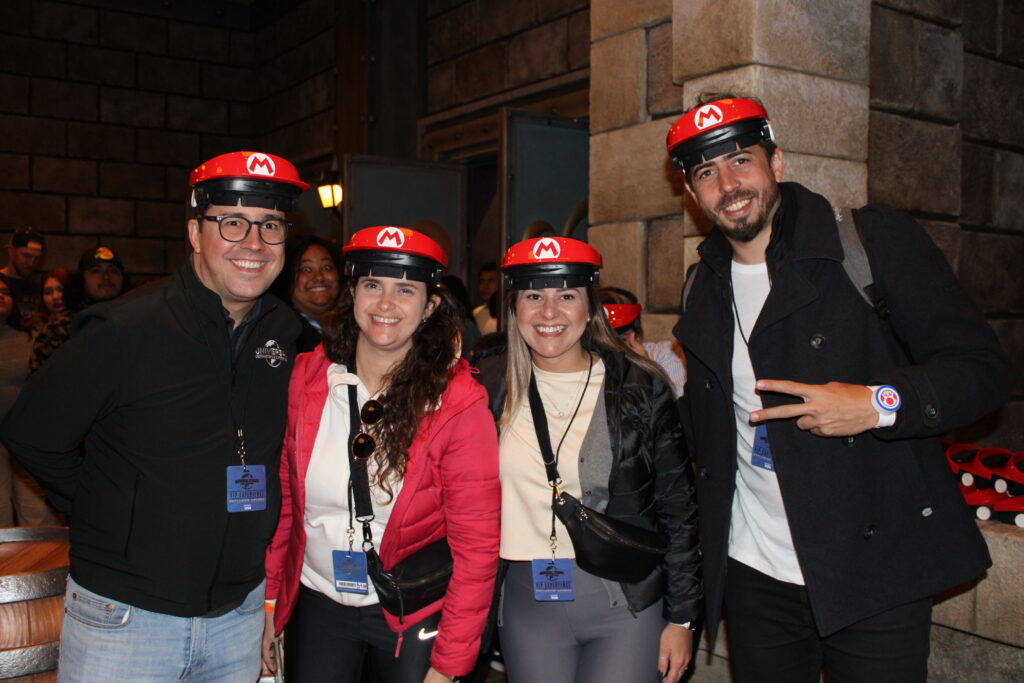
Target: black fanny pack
{"x": 418, "y": 580}
{"x": 605, "y": 547}
{"x": 415, "y": 582}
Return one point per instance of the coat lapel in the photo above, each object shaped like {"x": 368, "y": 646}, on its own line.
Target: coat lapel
{"x": 705, "y": 327}
{"x": 805, "y": 231}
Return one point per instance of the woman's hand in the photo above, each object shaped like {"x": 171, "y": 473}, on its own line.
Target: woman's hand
{"x": 675, "y": 652}
{"x": 269, "y": 662}
{"x": 435, "y": 676}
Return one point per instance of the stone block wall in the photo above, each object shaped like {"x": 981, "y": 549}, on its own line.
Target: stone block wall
{"x": 946, "y": 145}
{"x": 635, "y": 197}
{"x": 104, "y": 112}
{"x": 295, "y": 76}
{"x": 480, "y": 48}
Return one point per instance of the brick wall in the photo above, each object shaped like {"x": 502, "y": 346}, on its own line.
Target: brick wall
{"x": 947, "y": 146}
{"x": 296, "y": 80}
{"x": 479, "y": 48}
{"x": 104, "y": 112}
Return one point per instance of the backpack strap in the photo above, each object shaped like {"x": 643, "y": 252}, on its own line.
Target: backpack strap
{"x": 855, "y": 261}
{"x": 691, "y": 275}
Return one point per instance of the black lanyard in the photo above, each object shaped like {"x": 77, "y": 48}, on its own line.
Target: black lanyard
{"x": 540, "y": 427}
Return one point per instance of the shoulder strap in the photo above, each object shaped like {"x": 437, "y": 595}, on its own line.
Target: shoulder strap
{"x": 855, "y": 261}
{"x": 691, "y": 275}
{"x": 540, "y": 426}
{"x": 359, "y": 477}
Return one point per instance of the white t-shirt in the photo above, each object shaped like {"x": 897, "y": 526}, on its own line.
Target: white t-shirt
{"x": 326, "y": 516}
{"x": 759, "y": 535}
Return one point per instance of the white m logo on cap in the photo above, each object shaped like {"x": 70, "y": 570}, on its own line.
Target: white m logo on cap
{"x": 260, "y": 164}
{"x": 708, "y": 115}
{"x": 391, "y": 237}
{"x": 546, "y": 248}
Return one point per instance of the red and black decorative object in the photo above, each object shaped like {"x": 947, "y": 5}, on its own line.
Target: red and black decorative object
{"x": 991, "y": 481}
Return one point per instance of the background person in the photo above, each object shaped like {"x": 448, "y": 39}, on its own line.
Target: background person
{"x": 103, "y": 275}
{"x": 620, "y": 450}
{"x": 22, "y": 502}
{"x": 433, "y": 474}
{"x": 54, "y": 289}
{"x": 168, "y": 443}
{"x": 470, "y": 333}
{"x": 100, "y": 277}
{"x": 623, "y": 310}
{"x": 828, "y": 515}
{"x": 25, "y": 252}
{"x": 487, "y": 289}
{"x": 310, "y": 281}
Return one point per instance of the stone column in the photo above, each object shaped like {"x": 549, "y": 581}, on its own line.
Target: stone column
{"x": 633, "y": 197}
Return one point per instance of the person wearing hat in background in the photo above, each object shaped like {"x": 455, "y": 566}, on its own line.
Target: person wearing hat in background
{"x": 431, "y": 473}
{"x": 103, "y": 276}
{"x": 828, "y": 516}
{"x": 100, "y": 277}
{"x": 24, "y": 256}
{"x": 618, "y": 445}
{"x": 623, "y": 310}
{"x": 173, "y": 405}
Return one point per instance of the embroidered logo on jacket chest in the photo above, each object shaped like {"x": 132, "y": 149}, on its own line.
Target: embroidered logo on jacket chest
{"x": 271, "y": 352}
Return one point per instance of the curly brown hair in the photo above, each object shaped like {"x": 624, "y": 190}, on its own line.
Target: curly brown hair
{"x": 413, "y": 388}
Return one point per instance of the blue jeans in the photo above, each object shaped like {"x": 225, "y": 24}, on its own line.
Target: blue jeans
{"x": 103, "y": 640}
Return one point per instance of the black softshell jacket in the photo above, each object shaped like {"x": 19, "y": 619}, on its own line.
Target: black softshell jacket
{"x": 131, "y": 427}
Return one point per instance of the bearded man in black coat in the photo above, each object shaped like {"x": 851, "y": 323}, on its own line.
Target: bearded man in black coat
{"x": 829, "y": 518}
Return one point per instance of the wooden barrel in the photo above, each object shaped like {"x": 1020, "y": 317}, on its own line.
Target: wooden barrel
{"x": 33, "y": 574}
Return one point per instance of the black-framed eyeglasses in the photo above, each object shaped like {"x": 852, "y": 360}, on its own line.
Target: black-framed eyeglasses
{"x": 236, "y": 228}
{"x": 363, "y": 444}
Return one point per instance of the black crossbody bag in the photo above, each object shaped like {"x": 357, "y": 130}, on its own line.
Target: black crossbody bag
{"x": 418, "y": 580}
{"x": 605, "y": 547}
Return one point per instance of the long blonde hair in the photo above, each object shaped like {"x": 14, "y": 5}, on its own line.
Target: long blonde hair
{"x": 597, "y": 335}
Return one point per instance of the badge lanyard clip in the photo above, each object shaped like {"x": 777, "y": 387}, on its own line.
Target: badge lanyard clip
{"x": 241, "y": 449}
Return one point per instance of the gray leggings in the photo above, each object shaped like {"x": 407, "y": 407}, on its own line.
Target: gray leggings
{"x": 584, "y": 641}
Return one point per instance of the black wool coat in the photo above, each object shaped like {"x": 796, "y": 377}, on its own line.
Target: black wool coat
{"x": 876, "y": 518}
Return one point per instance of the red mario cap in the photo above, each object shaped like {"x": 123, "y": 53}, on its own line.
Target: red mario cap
{"x": 545, "y": 262}
{"x": 389, "y": 251}
{"x": 252, "y": 178}
{"x": 716, "y": 128}
{"x": 622, "y": 315}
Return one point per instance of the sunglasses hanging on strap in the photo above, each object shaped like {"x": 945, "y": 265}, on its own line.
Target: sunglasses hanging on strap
{"x": 421, "y": 578}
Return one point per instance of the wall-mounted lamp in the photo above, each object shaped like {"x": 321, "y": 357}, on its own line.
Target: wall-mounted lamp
{"x": 329, "y": 187}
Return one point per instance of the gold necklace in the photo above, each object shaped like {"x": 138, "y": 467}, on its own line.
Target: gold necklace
{"x": 550, "y": 405}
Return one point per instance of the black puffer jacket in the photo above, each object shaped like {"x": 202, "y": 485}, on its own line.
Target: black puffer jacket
{"x": 651, "y": 484}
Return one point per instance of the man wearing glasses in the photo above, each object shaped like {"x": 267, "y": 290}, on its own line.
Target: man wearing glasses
{"x": 166, "y": 450}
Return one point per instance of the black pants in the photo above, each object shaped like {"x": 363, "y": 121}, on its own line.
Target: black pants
{"x": 328, "y": 642}
{"x": 772, "y": 637}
